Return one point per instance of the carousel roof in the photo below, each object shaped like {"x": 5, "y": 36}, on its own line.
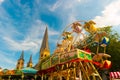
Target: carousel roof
{"x": 29, "y": 70}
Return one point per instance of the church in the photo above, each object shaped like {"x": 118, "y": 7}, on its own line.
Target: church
{"x": 44, "y": 52}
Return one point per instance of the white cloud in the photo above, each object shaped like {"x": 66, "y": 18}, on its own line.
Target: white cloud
{"x": 1, "y": 1}
{"x": 67, "y": 10}
{"x": 52, "y": 32}
{"x": 110, "y": 15}
{"x": 32, "y": 39}
{"x": 38, "y": 28}
{"x": 6, "y": 61}
{"x": 65, "y": 4}
{"x": 22, "y": 45}
{"x": 6, "y": 24}
{"x": 55, "y": 6}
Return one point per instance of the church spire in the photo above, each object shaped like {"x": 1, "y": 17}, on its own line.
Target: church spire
{"x": 20, "y": 63}
{"x": 22, "y": 55}
{"x": 30, "y": 59}
{"x": 44, "y": 41}
{"x": 44, "y": 47}
{"x": 29, "y": 64}
{"x": 44, "y": 50}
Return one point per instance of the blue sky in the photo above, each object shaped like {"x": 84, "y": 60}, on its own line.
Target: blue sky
{"x": 22, "y": 23}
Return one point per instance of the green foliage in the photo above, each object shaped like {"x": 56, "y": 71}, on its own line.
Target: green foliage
{"x": 113, "y": 48}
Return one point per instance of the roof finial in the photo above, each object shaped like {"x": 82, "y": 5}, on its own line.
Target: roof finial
{"x": 30, "y": 58}
{"x": 22, "y": 55}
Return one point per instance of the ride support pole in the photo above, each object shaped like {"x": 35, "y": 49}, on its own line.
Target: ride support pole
{"x": 60, "y": 76}
{"x": 80, "y": 76}
{"x": 42, "y": 76}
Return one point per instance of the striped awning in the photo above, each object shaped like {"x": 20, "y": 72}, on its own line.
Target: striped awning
{"x": 115, "y": 75}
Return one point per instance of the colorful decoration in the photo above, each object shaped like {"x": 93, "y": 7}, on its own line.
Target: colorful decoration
{"x": 90, "y": 26}
{"x": 62, "y": 58}
{"x": 87, "y": 49}
{"x": 105, "y": 42}
{"x": 77, "y": 27}
{"x": 67, "y": 35}
{"x": 115, "y": 75}
{"x": 98, "y": 36}
{"x": 106, "y": 64}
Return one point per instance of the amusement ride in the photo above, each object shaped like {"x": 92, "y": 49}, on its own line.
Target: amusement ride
{"x": 72, "y": 59}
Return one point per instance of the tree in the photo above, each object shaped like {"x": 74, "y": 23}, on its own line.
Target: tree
{"x": 113, "y": 48}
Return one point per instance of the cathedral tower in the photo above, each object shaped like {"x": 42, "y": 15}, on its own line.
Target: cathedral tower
{"x": 30, "y": 64}
{"x": 20, "y": 63}
{"x": 44, "y": 50}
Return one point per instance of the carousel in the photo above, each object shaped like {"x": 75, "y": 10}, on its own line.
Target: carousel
{"x": 72, "y": 59}
{"x": 23, "y": 74}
